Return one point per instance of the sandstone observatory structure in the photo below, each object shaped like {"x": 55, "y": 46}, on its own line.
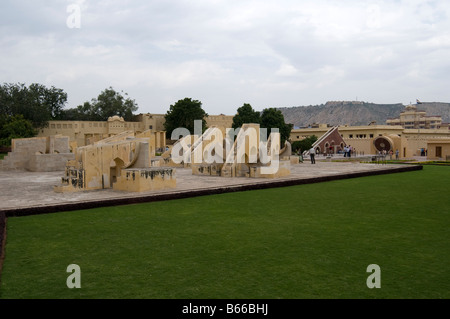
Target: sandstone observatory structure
{"x": 38, "y": 154}
{"x": 121, "y": 162}
{"x": 244, "y": 153}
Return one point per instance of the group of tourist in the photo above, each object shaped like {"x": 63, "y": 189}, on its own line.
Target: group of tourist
{"x": 348, "y": 150}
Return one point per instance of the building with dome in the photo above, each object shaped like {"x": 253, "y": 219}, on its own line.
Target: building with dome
{"x": 412, "y": 134}
{"x": 412, "y": 118}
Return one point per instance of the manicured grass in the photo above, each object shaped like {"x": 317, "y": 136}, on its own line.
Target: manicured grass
{"x": 310, "y": 241}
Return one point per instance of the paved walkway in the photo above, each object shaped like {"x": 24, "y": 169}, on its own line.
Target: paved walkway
{"x": 23, "y": 192}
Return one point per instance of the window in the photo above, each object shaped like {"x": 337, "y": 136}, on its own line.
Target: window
{"x": 150, "y": 127}
{"x": 350, "y": 136}
{"x": 371, "y": 135}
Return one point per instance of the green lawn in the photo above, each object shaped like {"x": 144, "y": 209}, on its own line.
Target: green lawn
{"x": 309, "y": 241}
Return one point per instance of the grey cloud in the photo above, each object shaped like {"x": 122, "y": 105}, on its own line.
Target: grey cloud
{"x": 229, "y": 52}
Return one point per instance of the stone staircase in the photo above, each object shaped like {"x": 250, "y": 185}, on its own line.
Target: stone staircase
{"x": 12, "y": 162}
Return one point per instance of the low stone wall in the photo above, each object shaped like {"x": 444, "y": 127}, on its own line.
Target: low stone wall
{"x": 38, "y": 154}
{"x": 206, "y": 169}
{"x": 36, "y": 162}
{"x": 145, "y": 179}
{"x": 283, "y": 169}
{"x": 49, "y": 162}
{"x": 13, "y": 161}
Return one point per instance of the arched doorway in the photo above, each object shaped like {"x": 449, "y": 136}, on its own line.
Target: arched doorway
{"x": 116, "y": 166}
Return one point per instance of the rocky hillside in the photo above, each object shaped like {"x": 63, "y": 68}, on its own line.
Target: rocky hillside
{"x": 356, "y": 113}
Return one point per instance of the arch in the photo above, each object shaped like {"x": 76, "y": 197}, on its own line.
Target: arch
{"x": 116, "y": 166}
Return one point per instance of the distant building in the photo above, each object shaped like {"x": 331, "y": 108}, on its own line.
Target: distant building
{"x": 371, "y": 139}
{"x": 438, "y": 149}
{"x": 412, "y": 134}
{"x": 340, "y": 103}
{"x": 411, "y": 118}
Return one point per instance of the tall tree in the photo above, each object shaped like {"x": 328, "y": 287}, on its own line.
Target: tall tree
{"x": 15, "y": 127}
{"x": 304, "y": 144}
{"x": 272, "y": 118}
{"x": 108, "y": 103}
{"x": 36, "y": 103}
{"x": 245, "y": 114}
{"x": 182, "y": 114}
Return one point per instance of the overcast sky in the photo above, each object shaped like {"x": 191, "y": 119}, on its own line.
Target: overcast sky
{"x": 229, "y": 52}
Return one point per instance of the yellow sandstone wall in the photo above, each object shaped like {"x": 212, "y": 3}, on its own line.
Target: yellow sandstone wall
{"x": 145, "y": 179}
{"x": 438, "y": 149}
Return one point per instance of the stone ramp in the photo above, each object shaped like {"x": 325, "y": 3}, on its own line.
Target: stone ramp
{"x": 27, "y": 193}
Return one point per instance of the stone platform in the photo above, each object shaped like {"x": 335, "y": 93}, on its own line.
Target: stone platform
{"x": 26, "y": 193}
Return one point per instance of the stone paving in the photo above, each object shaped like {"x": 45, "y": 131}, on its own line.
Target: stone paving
{"x": 23, "y": 189}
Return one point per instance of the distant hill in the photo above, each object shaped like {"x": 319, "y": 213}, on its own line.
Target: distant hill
{"x": 356, "y": 113}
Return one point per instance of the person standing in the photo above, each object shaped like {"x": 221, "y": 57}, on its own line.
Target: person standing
{"x": 396, "y": 154}
{"x": 312, "y": 154}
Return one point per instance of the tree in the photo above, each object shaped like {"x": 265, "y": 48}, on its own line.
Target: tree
{"x": 304, "y": 144}
{"x": 15, "y": 127}
{"x": 36, "y": 103}
{"x": 77, "y": 114}
{"x": 182, "y": 114}
{"x": 245, "y": 114}
{"x": 107, "y": 104}
{"x": 273, "y": 118}
{"x": 110, "y": 103}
